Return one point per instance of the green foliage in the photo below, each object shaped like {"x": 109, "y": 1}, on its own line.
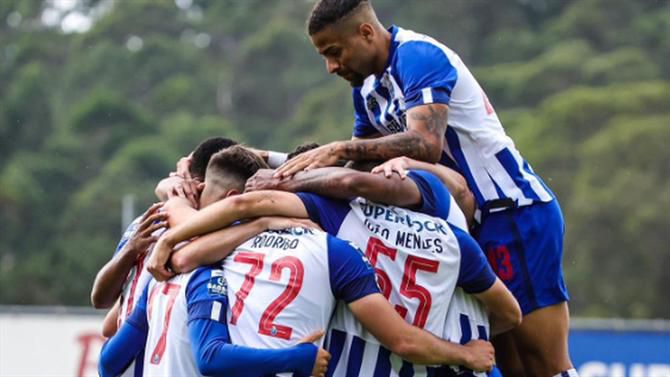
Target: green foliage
{"x": 582, "y": 86}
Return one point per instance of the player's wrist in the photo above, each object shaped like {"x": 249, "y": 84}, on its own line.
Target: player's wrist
{"x": 339, "y": 149}
{"x": 462, "y": 355}
{"x": 305, "y": 354}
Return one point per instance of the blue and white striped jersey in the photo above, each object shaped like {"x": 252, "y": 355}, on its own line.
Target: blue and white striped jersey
{"x": 423, "y": 71}
{"x": 419, "y": 259}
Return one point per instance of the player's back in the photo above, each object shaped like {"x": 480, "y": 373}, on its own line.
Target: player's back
{"x": 281, "y": 286}
{"x": 416, "y": 259}
{"x": 168, "y": 347}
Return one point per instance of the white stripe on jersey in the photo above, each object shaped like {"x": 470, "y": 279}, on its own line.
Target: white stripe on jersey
{"x": 216, "y": 311}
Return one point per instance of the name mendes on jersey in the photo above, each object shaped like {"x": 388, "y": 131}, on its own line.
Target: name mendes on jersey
{"x": 375, "y": 212}
{"x": 409, "y": 240}
{"x": 284, "y": 239}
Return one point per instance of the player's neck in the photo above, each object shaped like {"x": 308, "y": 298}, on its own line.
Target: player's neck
{"x": 384, "y": 48}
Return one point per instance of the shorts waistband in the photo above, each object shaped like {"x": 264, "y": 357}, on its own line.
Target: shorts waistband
{"x": 499, "y": 205}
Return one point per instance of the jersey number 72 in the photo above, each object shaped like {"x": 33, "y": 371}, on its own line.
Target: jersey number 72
{"x": 267, "y": 325}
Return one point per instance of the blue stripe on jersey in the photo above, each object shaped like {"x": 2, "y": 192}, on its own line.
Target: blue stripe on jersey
{"x": 384, "y": 93}
{"x": 139, "y": 364}
{"x": 455, "y": 147}
{"x": 482, "y": 332}
{"x": 335, "y": 347}
{"x": 466, "y": 331}
{"x": 445, "y": 160}
{"x": 407, "y": 369}
{"x": 356, "y": 356}
{"x": 432, "y": 372}
{"x": 512, "y": 168}
{"x": 383, "y": 365}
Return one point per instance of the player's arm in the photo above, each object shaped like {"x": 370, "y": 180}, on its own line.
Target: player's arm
{"x": 455, "y": 182}
{"x": 411, "y": 343}
{"x": 215, "y": 355}
{"x": 343, "y": 183}
{"x": 110, "y": 323}
{"x": 217, "y": 245}
{"x": 220, "y": 215}
{"x": 120, "y": 350}
{"x": 109, "y": 280}
{"x": 503, "y": 308}
{"x": 210, "y": 340}
{"x": 423, "y": 140}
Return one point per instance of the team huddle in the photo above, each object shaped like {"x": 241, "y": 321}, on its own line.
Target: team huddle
{"x": 424, "y": 246}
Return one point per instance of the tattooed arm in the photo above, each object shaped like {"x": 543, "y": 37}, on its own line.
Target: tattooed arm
{"x": 422, "y": 141}
{"x": 343, "y": 183}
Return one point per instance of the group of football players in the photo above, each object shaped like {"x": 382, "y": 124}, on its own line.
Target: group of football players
{"x": 434, "y": 244}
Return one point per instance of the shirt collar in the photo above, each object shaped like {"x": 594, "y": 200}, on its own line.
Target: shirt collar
{"x": 394, "y": 44}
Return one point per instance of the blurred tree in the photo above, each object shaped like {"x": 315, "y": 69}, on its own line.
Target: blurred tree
{"x": 581, "y": 85}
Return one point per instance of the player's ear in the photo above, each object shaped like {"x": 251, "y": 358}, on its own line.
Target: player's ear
{"x": 231, "y": 192}
{"x": 366, "y": 31}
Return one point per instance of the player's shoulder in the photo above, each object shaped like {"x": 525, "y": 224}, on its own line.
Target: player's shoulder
{"x": 418, "y": 47}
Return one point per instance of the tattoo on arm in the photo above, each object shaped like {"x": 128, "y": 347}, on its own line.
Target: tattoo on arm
{"x": 422, "y": 141}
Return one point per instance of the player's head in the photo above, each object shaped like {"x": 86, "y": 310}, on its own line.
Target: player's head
{"x": 227, "y": 173}
{"x": 349, "y": 36}
{"x": 204, "y": 151}
{"x": 300, "y": 149}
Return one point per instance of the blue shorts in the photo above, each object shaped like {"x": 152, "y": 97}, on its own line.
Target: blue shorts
{"x": 524, "y": 246}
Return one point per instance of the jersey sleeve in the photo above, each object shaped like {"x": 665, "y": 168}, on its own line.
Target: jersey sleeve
{"x": 327, "y": 212}
{"x": 362, "y": 125}
{"x": 128, "y": 342}
{"x": 425, "y": 72}
{"x": 351, "y": 275}
{"x": 435, "y": 198}
{"x": 207, "y": 295}
{"x": 475, "y": 274}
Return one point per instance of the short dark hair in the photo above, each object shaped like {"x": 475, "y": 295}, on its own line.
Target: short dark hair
{"x": 300, "y": 149}
{"x": 328, "y": 12}
{"x": 235, "y": 164}
{"x": 204, "y": 151}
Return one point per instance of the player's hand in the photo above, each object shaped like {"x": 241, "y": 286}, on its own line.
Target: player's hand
{"x": 481, "y": 356}
{"x": 263, "y": 180}
{"x": 398, "y": 165}
{"x": 157, "y": 265}
{"x": 184, "y": 166}
{"x": 326, "y": 155}
{"x": 188, "y": 189}
{"x": 322, "y": 356}
{"x": 279, "y": 223}
{"x": 151, "y": 221}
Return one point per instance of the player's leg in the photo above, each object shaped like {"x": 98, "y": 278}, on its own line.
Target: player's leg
{"x": 507, "y": 355}
{"x": 542, "y": 341}
{"x": 524, "y": 246}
